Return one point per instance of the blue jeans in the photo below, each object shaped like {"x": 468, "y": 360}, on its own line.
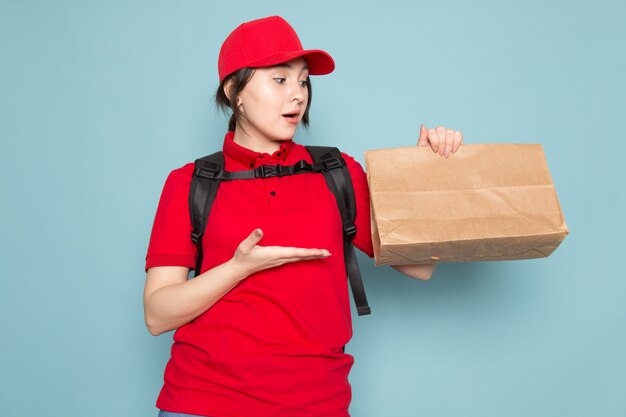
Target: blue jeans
{"x": 170, "y": 414}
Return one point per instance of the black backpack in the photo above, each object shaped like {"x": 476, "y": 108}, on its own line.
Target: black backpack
{"x": 209, "y": 172}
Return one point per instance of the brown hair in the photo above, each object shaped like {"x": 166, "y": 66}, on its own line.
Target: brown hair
{"x": 240, "y": 79}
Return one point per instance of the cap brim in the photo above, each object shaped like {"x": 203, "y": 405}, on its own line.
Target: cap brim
{"x": 318, "y": 61}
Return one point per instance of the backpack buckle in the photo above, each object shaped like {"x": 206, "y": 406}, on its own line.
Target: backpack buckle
{"x": 349, "y": 232}
{"x": 267, "y": 171}
{"x": 301, "y": 166}
{"x": 208, "y": 171}
{"x": 196, "y": 236}
{"x": 332, "y": 163}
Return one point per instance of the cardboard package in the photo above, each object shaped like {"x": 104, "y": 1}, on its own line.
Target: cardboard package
{"x": 486, "y": 202}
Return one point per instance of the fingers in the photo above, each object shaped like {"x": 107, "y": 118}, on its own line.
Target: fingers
{"x": 423, "y": 138}
{"x": 458, "y": 140}
{"x": 251, "y": 241}
{"x": 443, "y": 141}
{"x": 250, "y": 247}
{"x": 441, "y": 137}
{"x": 433, "y": 139}
{"x": 449, "y": 142}
{"x": 280, "y": 255}
{"x": 290, "y": 254}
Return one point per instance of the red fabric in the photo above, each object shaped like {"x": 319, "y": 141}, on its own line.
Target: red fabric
{"x": 265, "y": 42}
{"x": 273, "y": 345}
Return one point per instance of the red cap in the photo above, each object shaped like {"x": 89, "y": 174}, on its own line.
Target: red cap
{"x": 266, "y": 42}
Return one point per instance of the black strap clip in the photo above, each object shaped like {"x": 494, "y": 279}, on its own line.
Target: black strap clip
{"x": 267, "y": 171}
{"x": 349, "y": 232}
{"x": 196, "y": 237}
{"x": 332, "y": 163}
{"x": 209, "y": 171}
{"x": 301, "y": 166}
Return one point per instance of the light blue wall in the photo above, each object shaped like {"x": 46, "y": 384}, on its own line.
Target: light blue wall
{"x": 100, "y": 100}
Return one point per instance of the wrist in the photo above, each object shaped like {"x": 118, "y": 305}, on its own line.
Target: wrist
{"x": 236, "y": 270}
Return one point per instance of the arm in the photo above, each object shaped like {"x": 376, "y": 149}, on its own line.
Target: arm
{"x": 421, "y": 271}
{"x": 171, "y": 300}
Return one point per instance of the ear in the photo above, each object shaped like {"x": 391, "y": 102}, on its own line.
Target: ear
{"x": 228, "y": 85}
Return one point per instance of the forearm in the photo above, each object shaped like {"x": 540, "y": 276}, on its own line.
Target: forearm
{"x": 171, "y": 306}
{"x": 421, "y": 271}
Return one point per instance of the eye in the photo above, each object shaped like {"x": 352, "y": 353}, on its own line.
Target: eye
{"x": 279, "y": 80}
{"x": 302, "y": 83}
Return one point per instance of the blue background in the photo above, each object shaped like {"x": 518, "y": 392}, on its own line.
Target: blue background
{"x": 100, "y": 100}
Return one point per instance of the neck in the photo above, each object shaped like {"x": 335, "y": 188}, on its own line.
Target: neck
{"x": 255, "y": 143}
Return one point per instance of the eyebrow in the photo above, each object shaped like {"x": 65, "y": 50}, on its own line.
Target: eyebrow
{"x": 286, "y": 65}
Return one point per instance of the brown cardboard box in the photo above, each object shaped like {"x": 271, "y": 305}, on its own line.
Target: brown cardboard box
{"x": 486, "y": 202}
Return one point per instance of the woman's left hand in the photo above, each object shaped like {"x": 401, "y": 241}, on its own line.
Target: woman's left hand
{"x": 442, "y": 140}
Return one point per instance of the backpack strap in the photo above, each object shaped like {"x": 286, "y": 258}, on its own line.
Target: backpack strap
{"x": 209, "y": 173}
{"x": 204, "y": 184}
{"x": 339, "y": 182}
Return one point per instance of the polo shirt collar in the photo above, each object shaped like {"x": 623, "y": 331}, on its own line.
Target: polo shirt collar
{"x": 250, "y": 158}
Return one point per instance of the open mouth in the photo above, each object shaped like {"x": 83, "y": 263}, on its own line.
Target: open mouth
{"x": 292, "y": 118}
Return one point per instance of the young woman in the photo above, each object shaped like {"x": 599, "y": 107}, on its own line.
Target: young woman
{"x": 261, "y": 331}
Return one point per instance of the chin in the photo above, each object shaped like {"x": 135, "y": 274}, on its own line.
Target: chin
{"x": 283, "y": 136}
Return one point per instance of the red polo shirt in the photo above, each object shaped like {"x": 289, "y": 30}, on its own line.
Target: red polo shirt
{"x": 273, "y": 345}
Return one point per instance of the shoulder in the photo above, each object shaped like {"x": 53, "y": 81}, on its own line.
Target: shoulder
{"x": 181, "y": 174}
{"x": 352, "y": 163}
{"x": 179, "y": 180}
{"x": 357, "y": 173}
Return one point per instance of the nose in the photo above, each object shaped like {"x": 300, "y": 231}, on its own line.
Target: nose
{"x": 298, "y": 93}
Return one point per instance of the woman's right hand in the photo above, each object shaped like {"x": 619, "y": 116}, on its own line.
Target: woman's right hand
{"x": 250, "y": 257}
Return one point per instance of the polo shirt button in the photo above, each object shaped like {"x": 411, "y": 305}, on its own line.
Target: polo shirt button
{"x": 272, "y": 193}
{"x": 251, "y": 165}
